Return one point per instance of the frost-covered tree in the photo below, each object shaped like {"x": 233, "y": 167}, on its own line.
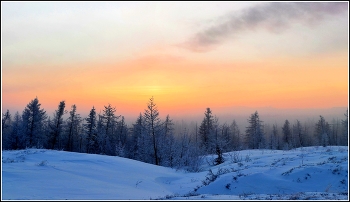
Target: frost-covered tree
{"x": 80, "y": 144}
{"x": 47, "y": 133}
{"x": 33, "y": 120}
{"x": 298, "y": 134}
{"x": 166, "y": 143}
{"x": 56, "y": 127}
{"x": 109, "y": 121}
{"x": 122, "y": 132}
{"x": 345, "y": 124}
{"x": 235, "y": 133}
{"x": 206, "y": 132}
{"x": 101, "y": 135}
{"x": 6, "y": 130}
{"x": 90, "y": 131}
{"x": 254, "y": 132}
{"x": 322, "y": 131}
{"x": 141, "y": 144}
{"x": 188, "y": 155}
{"x": 153, "y": 126}
{"x": 219, "y": 141}
{"x": 17, "y": 138}
{"x": 335, "y": 131}
{"x": 73, "y": 130}
{"x": 137, "y": 142}
{"x": 226, "y": 138}
{"x": 5, "y": 121}
{"x": 287, "y": 135}
{"x": 308, "y": 139}
{"x": 275, "y": 139}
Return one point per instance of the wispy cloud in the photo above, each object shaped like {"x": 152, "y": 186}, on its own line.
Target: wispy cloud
{"x": 275, "y": 17}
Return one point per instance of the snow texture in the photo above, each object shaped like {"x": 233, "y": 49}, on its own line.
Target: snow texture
{"x": 309, "y": 173}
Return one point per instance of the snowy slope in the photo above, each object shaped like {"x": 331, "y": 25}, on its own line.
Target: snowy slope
{"x": 307, "y": 173}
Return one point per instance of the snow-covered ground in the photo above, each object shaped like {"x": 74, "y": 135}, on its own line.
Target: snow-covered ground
{"x": 315, "y": 173}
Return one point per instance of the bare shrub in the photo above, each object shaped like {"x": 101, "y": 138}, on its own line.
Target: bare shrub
{"x": 235, "y": 157}
{"x": 210, "y": 177}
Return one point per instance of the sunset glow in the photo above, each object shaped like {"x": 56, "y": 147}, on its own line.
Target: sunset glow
{"x": 188, "y": 56}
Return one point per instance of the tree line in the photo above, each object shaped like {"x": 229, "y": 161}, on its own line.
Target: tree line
{"x": 153, "y": 140}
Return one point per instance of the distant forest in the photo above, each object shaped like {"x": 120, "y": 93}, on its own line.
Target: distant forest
{"x": 153, "y": 140}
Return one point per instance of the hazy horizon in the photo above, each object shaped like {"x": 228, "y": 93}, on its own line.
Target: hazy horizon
{"x": 268, "y": 115}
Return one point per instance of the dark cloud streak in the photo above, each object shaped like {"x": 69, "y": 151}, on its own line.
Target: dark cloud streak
{"x": 275, "y": 17}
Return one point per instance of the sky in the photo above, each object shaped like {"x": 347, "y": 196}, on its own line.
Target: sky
{"x": 309, "y": 173}
{"x": 187, "y": 55}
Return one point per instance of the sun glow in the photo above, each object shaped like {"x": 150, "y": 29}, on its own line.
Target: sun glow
{"x": 153, "y": 89}
{"x": 125, "y": 65}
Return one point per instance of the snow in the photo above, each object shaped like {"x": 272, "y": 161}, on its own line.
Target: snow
{"x": 316, "y": 173}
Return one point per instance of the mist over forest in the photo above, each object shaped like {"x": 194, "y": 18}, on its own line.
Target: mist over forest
{"x": 170, "y": 141}
{"x": 240, "y": 114}
{"x": 269, "y": 115}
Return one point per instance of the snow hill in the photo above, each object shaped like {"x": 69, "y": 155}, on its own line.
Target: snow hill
{"x": 316, "y": 173}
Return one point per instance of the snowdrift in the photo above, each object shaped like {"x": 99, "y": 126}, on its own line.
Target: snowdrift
{"x": 303, "y": 173}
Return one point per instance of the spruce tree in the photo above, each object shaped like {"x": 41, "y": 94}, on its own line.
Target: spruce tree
{"x": 322, "y": 131}
{"x": 121, "y": 132}
{"x": 33, "y": 120}
{"x": 254, "y": 132}
{"x": 287, "y": 135}
{"x": 206, "y": 131}
{"x": 17, "y": 138}
{"x": 137, "y": 142}
{"x": 5, "y": 121}
{"x": 167, "y": 140}
{"x": 90, "y": 130}
{"x": 109, "y": 121}
{"x": 6, "y": 130}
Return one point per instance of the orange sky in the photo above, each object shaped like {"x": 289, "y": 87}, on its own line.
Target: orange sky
{"x": 183, "y": 85}
{"x": 304, "y": 66}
